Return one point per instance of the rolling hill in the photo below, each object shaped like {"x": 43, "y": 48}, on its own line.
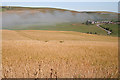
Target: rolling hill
{"x": 26, "y": 18}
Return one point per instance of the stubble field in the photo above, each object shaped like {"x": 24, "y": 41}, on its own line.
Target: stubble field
{"x": 58, "y": 54}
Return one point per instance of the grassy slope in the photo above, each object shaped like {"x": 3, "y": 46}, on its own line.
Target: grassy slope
{"x": 78, "y": 27}
{"x": 6, "y": 8}
{"x": 113, "y": 27}
{"x": 43, "y": 9}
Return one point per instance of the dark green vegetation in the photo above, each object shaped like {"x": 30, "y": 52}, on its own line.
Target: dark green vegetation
{"x": 111, "y": 27}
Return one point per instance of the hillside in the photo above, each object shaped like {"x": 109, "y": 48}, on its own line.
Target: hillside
{"x": 8, "y": 8}
{"x": 26, "y": 18}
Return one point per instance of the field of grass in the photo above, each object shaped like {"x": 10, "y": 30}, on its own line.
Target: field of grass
{"x": 58, "y": 54}
{"x": 113, "y": 27}
{"x": 78, "y": 27}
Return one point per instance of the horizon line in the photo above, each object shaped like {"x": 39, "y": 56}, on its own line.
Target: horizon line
{"x": 64, "y": 8}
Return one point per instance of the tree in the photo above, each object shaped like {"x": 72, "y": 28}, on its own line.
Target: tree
{"x": 110, "y": 30}
{"x": 90, "y": 32}
{"x": 95, "y": 33}
{"x": 87, "y": 22}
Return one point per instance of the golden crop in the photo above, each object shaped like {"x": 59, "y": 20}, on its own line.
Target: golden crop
{"x": 58, "y": 54}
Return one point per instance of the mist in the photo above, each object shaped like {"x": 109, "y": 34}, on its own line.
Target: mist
{"x": 28, "y": 18}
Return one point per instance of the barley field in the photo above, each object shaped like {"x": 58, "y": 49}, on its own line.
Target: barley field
{"x": 58, "y": 54}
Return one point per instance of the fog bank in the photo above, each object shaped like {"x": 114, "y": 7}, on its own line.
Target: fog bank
{"x": 27, "y": 18}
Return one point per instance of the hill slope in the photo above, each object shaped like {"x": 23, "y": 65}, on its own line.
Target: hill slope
{"x": 24, "y": 18}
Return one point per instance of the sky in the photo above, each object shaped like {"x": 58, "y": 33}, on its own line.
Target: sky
{"x": 60, "y": 0}
{"x": 77, "y": 6}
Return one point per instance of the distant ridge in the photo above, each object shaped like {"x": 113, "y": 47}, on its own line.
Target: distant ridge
{"x": 47, "y": 18}
{"x": 52, "y": 9}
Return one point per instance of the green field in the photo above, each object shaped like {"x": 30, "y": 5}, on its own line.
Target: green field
{"x": 113, "y": 27}
{"x": 77, "y": 27}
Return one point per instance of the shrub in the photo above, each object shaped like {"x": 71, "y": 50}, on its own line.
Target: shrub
{"x": 95, "y": 33}
{"x": 87, "y": 32}
{"x": 61, "y": 41}
{"x": 46, "y": 41}
{"x": 110, "y": 30}
{"x": 90, "y": 32}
